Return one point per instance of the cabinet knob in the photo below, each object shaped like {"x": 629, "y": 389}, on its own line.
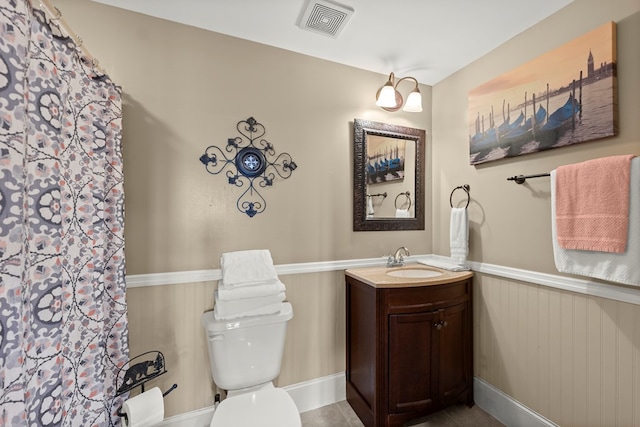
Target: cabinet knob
{"x": 441, "y": 324}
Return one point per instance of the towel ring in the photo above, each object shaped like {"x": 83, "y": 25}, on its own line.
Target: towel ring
{"x": 407, "y": 195}
{"x": 466, "y": 189}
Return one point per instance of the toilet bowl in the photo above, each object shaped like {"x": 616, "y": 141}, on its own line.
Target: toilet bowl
{"x": 245, "y": 355}
{"x": 268, "y": 407}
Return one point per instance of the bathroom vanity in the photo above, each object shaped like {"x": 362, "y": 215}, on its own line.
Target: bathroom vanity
{"x": 409, "y": 342}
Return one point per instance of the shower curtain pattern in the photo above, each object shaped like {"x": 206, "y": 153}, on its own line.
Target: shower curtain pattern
{"x": 63, "y": 324}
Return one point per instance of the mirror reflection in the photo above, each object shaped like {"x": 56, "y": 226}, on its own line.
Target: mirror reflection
{"x": 388, "y": 177}
{"x": 390, "y": 171}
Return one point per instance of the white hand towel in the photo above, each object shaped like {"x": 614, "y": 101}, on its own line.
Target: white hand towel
{"x": 459, "y": 235}
{"x": 402, "y": 213}
{"x": 260, "y": 290}
{"x": 246, "y": 268}
{"x": 445, "y": 265}
{"x": 247, "y": 306}
{"x": 614, "y": 267}
{"x": 370, "y": 211}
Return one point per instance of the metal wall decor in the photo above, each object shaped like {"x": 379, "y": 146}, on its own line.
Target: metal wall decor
{"x": 252, "y": 160}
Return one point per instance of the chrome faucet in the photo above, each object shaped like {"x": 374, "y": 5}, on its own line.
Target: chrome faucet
{"x": 398, "y": 259}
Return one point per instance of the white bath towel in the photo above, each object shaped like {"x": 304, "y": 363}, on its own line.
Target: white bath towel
{"x": 263, "y": 289}
{"x": 615, "y": 267}
{"x": 247, "y": 268}
{"x": 247, "y": 306}
{"x": 459, "y": 235}
{"x": 403, "y": 213}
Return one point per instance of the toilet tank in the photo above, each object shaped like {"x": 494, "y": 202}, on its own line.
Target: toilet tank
{"x": 247, "y": 351}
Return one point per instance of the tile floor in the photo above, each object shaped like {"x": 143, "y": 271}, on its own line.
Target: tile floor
{"x": 341, "y": 415}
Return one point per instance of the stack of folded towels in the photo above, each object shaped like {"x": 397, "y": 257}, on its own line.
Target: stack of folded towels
{"x": 249, "y": 285}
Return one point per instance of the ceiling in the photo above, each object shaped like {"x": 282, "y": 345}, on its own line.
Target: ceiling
{"x": 426, "y": 39}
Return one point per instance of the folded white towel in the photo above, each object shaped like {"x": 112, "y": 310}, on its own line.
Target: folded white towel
{"x": 459, "y": 235}
{"x": 247, "y": 306}
{"x": 259, "y": 290}
{"x": 402, "y": 213}
{"x": 246, "y": 268}
{"x": 445, "y": 265}
{"x": 615, "y": 267}
{"x": 260, "y": 311}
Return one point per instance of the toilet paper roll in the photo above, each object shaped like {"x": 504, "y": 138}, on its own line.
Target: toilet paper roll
{"x": 144, "y": 410}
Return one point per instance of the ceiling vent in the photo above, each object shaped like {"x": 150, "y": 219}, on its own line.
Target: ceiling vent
{"x": 324, "y": 17}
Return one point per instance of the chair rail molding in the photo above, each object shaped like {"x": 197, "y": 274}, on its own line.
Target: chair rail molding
{"x": 583, "y": 286}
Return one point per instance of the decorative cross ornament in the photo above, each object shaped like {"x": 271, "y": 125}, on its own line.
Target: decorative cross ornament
{"x": 252, "y": 161}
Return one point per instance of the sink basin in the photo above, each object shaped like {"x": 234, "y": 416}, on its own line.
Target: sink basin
{"x": 407, "y": 276}
{"x": 414, "y": 273}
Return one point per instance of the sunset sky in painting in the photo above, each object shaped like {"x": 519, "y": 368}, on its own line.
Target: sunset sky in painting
{"x": 382, "y": 144}
{"x": 557, "y": 68}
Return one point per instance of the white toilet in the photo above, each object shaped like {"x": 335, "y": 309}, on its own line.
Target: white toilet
{"x": 245, "y": 356}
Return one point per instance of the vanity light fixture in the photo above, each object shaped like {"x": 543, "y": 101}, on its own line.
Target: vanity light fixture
{"x": 388, "y": 97}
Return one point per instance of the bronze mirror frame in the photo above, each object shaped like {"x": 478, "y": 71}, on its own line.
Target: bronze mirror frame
{"x": 361, "y": 129}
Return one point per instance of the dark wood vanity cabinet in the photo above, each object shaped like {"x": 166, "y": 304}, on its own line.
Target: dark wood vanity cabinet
{"x": 409, "y": 349}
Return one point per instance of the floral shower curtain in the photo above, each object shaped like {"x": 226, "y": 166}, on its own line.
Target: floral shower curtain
{"x": 63, "y": 321}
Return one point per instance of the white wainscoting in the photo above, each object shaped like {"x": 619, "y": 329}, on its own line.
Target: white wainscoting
{"x": 326, "y": 390}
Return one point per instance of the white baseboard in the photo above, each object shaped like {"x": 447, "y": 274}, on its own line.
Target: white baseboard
{"x": 504, "y": 408}
{"x": 307, "y": 395}
{"x": 324, "y": 391}
{"x": 197, "y": 418}
{"x": 318, "y": 392}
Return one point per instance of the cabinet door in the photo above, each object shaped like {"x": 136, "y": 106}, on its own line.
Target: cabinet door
{"x": 411, "y": 385}
{"x": 454, "y": 358}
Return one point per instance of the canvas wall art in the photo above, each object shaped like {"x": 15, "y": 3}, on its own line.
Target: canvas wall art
{"x": 564, "y": 97}
{"x": 385, "y": 159}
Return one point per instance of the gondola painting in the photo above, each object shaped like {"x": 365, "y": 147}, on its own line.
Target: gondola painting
{"x": 564, "y": 97}
{"x": 385, "y": 159}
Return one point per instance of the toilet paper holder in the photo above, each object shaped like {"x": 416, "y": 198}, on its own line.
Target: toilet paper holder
{"x": 147, "y": 366}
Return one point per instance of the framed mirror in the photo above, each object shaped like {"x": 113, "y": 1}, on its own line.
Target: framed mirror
{"x": 388, "y": 178}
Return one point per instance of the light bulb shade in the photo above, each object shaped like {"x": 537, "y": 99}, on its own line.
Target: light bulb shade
{"x": 414, "y": 102}
{"x": 386, "y": 96}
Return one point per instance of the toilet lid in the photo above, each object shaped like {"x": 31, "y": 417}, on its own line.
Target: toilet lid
{"x": 265, "y": 408}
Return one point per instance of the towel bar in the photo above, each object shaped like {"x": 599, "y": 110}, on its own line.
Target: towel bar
{"x": 383, "y": 195}
{"x": 520, "y": 179}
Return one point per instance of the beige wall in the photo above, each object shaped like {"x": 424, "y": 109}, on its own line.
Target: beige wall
{"x": 571, "y": 358}
{"x": 185, "y": 89}
{"x": 510, "y": 223}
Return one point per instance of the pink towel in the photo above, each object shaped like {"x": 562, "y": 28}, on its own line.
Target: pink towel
{"x": 592, "y": 204}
